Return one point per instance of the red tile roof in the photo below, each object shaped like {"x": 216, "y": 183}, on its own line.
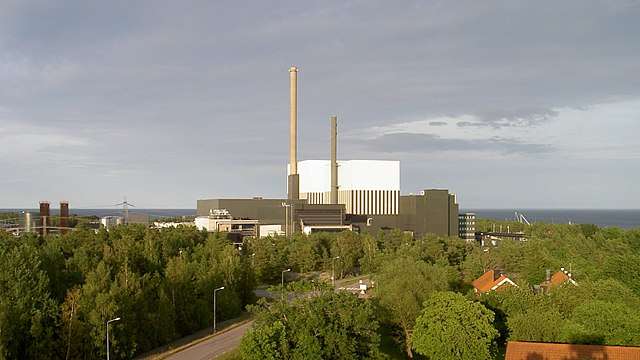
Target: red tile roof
{"x": 558, "y": 279}
{"x": 487, "y": 281}
{"x": 517, "y": 350}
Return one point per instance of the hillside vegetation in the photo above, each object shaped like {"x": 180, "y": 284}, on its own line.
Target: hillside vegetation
{"x": 57, "y": 293}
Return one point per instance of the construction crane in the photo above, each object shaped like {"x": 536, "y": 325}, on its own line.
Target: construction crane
{"x": 521, "y": 218}
{"x": 125, "y": 209}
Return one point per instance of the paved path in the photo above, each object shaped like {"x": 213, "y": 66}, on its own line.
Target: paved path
{"x": 213, "y": 346}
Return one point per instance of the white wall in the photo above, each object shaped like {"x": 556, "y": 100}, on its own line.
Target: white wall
{"x": 352, "y": 175}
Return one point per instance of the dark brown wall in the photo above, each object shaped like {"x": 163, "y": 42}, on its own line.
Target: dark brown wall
{"x": 436, "y": 212}
{"x": 268, "y": 211}
{"x": 45, "y": 216}
{"x": 64, "y": 215}
{"x": 453, "y": 216}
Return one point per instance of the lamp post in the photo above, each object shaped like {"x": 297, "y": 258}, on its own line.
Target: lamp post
{"x": 283, "y": 271}
{"x": 109, "y": 322}
{"x": 286, "y": 207}
{"x": 333, "y": 271}
{"x": 214, "y": 306}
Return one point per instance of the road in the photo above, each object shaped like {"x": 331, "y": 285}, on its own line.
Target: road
{"x": 213, "y": 346}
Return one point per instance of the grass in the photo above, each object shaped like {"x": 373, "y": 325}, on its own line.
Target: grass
{"x": 231, "y": 355}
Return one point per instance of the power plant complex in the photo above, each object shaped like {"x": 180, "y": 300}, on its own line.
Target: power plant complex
{"x": 322, "y": 196}
{"x": 335, "y": 195}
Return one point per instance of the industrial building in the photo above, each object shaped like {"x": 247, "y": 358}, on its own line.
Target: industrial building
{"x": 365, "y": 187}
{"x": 467, "y": 226}
{"x": 220, "y": 220}
{"x": 338, "y": 195}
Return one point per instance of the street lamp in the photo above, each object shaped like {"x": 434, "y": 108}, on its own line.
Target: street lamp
{"x": 109, "y": 322}
{"x": 333, "y": 271}
{"x": 214, "y": 306}
{"x": 286, "y": 207}
{"x": 283, "y": 271}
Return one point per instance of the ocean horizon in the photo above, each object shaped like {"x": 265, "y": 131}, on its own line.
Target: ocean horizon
{"x": 623, "y": 218}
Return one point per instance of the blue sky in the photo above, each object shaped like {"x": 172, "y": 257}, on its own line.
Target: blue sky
{"x": 509, "y": 104}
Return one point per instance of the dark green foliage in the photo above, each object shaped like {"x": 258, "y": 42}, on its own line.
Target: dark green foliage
{"x": 57, "y": 293}
{"x": 402, "y": 285}
{"x": 329, "y": 326}
{"x": 27, "y": 310}
{"x": 451, "y": 327}
{"x": 605, "y": 264}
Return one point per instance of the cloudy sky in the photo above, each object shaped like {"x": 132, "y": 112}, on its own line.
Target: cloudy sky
{"x": 509, "y": 104}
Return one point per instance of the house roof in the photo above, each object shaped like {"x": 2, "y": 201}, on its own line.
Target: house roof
{"x": 517, "y": 350}
{"x": 560, "y": 278}
{"x": 490, "y": 280}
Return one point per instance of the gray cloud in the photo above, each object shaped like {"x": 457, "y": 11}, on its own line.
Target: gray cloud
{"x": 179, "y": 92}
{"x": 511, "y": 118}
{"x": 437, "y": 123}
{"x": 425, "y": 143}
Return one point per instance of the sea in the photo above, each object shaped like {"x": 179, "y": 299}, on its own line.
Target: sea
{"x": 626, "y": 219}
{"x": 604, "y": 218}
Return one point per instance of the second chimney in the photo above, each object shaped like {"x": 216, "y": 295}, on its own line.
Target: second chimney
{"x": 334, "y": 160}
{"x": 64, "y": 216}
{"x": 45, "y": 217}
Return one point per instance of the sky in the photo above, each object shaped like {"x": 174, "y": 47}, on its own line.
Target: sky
{"x": 508, "y": 104}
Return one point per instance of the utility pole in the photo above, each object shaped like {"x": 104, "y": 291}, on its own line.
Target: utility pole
{"x": 287, "y": 212}
{"x": 283, "y": 271}
{"x": 125, "y": 209}
{"x": 333, "y": 272}
{"x": 214, "y": 306}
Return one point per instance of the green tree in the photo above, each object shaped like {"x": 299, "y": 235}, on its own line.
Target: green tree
{"x": 329, "y": 326}
{"x": 536, "y": 324}
{"x": 27, "y": 311}
{"x": 402, "y": 285}
{"x": 603, "y": 322}
{"x": 452, "y": 327}
{"x": 347, "y": 246}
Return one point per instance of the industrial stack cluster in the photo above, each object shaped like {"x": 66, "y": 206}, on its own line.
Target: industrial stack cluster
{"x": 333, "y": 195}
{"x": 43, "y": 224}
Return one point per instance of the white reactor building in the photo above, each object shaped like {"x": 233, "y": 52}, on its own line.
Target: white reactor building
{"x": 365, "y": 187}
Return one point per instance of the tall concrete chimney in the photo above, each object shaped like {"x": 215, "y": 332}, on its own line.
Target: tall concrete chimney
{"x": 334, "y": 160}
{"x": 293, "y": 180}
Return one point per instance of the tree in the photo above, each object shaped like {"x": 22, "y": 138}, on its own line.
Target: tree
{"x": 452, "y": 327}
{"x": 370, "y": 260}
{"x": 603, "y": 322}
{"x": 402, "y": 285}
{"x": 303, "y": 254}
{"x": 348, "y": 246}
{"x": 27, "y": 311}
{"x": 329, "y": 326}
{"x": 536, "y": 324}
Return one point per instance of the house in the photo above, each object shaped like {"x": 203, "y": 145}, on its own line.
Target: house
{"x": 557, "y": 279}
{"x": 518, "y": 350}
{"x": 490, "y": 281}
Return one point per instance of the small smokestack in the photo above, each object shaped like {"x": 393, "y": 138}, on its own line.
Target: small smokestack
{"x": 293, "y": 181}
{"x": 64, "y": 215}
{"x": 44, "y": 217}
{"x": 27, "y": 222}
{"x": 334, "y": 160}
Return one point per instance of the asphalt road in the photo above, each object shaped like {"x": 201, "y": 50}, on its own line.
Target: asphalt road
{"x": 214, "y": 346}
